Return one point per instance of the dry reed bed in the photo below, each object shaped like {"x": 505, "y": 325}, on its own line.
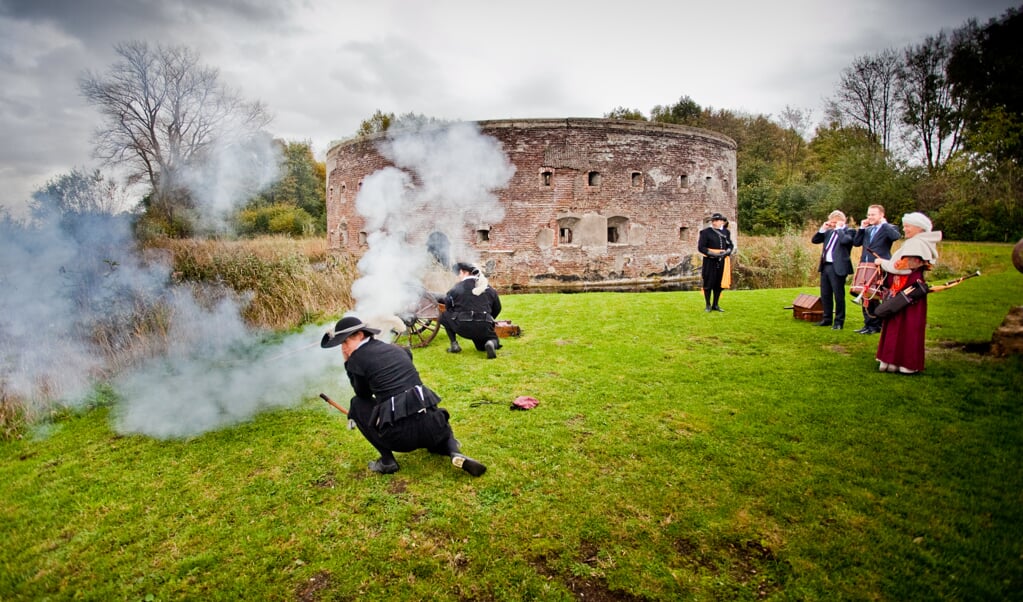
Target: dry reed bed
{"x": 286, "y": 282}
{"x": 790, "y": 260}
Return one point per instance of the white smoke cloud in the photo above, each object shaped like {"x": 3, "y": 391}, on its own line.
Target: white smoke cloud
{"x": 61, "y": 281}
{"x": 226, "y": 376}
{"x": 232, "y": 172}
{"x": 71, "y": 288}
{"x": 443, "y": 181}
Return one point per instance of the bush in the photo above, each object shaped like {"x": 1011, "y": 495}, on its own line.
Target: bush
{"x": 275, "y": 219}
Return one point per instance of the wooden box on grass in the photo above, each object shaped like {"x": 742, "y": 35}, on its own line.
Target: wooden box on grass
{"x": 808, "y": 307}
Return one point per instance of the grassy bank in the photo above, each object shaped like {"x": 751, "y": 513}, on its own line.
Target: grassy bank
{"x": 675, "y": 455}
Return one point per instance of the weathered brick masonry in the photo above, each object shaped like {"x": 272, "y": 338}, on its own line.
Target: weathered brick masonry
{"x": 593, "y": 204}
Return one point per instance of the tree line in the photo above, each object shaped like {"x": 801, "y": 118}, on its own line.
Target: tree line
{"x": 934, "y": 127}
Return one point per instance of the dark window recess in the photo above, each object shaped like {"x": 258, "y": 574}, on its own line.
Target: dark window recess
{"x": 565, "y": 235}
{"x": 593, "y": 178}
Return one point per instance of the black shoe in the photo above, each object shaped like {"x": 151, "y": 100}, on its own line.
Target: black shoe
{"x": 708, "y": 308}
{"x": 468, "y": 464}
{"x": 382, "y": 467}
{"x": 823, "y": 323}
{"x": 716, "y": 308}
{"x": 864, "y": 330}
{"x": 455, "y": 347}
{"x": 868, "y": 330}
{"x": 836, "y": 326}
{"x": 491, "y": 351}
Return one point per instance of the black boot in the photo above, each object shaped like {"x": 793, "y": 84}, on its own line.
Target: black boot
{"x": 455, "y": 347}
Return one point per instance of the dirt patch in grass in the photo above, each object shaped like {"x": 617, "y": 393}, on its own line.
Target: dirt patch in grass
{"x": 397, "y": 486}
{"x": 327, "y": 481}
{"x": 745, "y": 562}
{"x": 310, "y": 591}
{"x": 592, "y": 588}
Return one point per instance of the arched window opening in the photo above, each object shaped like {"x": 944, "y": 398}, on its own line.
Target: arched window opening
{"x": 438, "y": 245}
{"x": 363, "y": 238}
{"x": 683, "y": 181}
{"x": 618, "y": 230}
{"x": 546, "y": 177}
{"x": 637, "y": 179}
{"x": 566, "y": 225}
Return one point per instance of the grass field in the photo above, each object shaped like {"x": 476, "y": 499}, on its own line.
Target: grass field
{"x": 675, "y": 455}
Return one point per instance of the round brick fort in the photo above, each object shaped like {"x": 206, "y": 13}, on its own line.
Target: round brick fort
{"x": 594, "y": 204}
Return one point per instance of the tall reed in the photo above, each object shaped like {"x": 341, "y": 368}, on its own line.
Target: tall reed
{"x": 286, "y": 282}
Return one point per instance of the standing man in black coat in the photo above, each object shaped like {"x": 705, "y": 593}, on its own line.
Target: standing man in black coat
{"x": 876, "y": 236}
{"x": 392, "y": 408}
{"x": 715, "y": 244}
{"x": 835, "y": 266}
{"x": 470, "y": 310}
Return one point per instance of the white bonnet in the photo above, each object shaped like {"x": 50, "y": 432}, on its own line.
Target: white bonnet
{"x": 917, "y": 219}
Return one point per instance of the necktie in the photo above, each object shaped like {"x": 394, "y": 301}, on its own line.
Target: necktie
{"x": 872, "y": 231}
{"x": 830, "y": 245}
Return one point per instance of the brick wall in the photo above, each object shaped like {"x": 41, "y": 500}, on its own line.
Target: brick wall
{"x": 594, "y": 203}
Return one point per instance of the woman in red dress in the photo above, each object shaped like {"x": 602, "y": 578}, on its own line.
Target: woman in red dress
{"x": 901, "y": 348}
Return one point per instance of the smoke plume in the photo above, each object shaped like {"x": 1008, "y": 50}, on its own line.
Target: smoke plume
{"x": 442, "y": 182}
{"x": 72, "y": 287}
{"x": 80, "y": 305}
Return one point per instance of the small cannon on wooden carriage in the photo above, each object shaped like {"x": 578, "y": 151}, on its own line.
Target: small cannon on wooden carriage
{"x": 422, "y": 322}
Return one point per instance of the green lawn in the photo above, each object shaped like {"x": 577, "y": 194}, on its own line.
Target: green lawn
{"x": 675, "y": 455}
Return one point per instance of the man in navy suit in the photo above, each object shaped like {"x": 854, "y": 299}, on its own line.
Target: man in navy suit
{"x": 835, "y": 266}
{"x": 876, "y": 236}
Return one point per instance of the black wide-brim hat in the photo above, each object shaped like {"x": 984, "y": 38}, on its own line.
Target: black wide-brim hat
{"x": 718, "y": 216}
{"x": 344, "y": 328}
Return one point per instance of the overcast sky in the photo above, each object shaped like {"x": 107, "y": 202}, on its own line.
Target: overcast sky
{"x": 323, "y": 66}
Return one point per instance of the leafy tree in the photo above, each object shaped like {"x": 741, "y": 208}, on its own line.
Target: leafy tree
{"x": 379, "y": 122}
{"x": 301, "y": 184}
{"x": 623, "y": 113}
{"x": 163, "y": 112}
{"x": 986, "y": 73}
{"x": 684, "y": 112}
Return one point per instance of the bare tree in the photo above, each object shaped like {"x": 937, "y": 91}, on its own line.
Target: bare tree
{"x": 868, "y": 95}
{"x": 929, "y": 108}
{"x": 163, "y": 111}
{"x": 80, "y": 193}
{"x": 796, "y": 124}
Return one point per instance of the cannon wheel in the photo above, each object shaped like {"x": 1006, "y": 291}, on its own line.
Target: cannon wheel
{"x": 421, "y": 324}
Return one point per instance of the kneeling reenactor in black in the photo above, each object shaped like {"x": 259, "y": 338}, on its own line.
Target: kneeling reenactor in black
{"x": 470, "y": 310}
{"x": 392, "y": 408}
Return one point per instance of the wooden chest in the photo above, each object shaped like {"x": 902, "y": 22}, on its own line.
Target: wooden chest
{"x": 808, "y": 307}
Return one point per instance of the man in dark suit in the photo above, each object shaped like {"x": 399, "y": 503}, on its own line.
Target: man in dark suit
{"x": 876, "y": 236}
{"x": 392, "y": 408}
{"x": 835, "y": 266}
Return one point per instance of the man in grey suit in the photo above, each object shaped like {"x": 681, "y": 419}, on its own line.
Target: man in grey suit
{"x": 835, "y": 266}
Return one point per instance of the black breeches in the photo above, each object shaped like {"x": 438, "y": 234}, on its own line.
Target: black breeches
{"x": 427, "y": 430}
{"x": 477, "y": 331}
